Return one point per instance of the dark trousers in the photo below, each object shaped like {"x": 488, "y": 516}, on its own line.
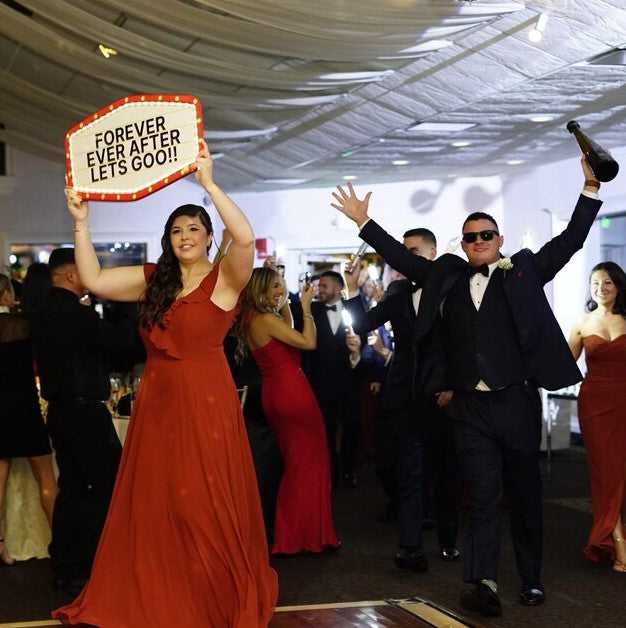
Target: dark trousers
{"x": 498, "y": 435}
{"x": 88, "y": 453}
{"x": 341, "y": 407}
{"x": 441, "y": 473}
{"x": 408, "y": 440}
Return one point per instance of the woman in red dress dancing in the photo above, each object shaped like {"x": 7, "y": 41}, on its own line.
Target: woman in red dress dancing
{"x": 304, "y": 520}
{"x": 601, "y": 410}
{"x": 183, "y": 544}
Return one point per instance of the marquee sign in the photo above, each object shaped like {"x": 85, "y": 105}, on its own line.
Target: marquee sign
{"x": 134, "y": 146}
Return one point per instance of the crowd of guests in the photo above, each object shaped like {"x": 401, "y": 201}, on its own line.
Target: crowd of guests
{"x": 454, "y": 352}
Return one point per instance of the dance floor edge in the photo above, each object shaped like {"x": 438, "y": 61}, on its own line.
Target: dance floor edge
{"x": 410, "y": 613}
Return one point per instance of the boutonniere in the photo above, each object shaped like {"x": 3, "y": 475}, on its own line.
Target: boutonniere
{"x": 505, "y": 264}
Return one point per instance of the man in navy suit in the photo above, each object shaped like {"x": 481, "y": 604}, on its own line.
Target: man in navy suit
{"x": 501, "y": 343}
{"x": 412, "y": 418}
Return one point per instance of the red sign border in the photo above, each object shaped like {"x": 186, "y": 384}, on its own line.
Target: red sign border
{"x": 114, "y": 196}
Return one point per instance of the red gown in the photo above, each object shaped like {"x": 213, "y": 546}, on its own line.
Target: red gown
{"x": 184, "y": 542}
{"x": 602, "y": 417}
{"x": 304, "y": 519}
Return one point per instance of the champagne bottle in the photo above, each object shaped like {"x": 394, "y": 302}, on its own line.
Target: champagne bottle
{"x": 603, "y": 165}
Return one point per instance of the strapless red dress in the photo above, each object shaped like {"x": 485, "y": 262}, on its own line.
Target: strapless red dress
{"x": 602, "y": 418}
{"x": 304, "y": 520}
{"x": 184, "y": 542}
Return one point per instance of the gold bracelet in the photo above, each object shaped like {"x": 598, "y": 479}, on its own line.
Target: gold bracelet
{"x": 309, "y": 315}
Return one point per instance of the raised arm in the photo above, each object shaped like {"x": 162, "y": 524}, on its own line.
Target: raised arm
{"x": 264, "y": 327}
{"x": 124, "y": 283}
{"x": 557, "y": 252}
{"x": 236, "y": 265}
{"x": 393, "y": 252}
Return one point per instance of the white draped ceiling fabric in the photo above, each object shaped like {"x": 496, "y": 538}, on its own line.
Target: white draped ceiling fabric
{"x": 264, "y": 70}
{"x": 237, "y": 56}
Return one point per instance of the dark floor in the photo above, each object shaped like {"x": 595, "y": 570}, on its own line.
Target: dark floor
{"x": 579, "y": 593}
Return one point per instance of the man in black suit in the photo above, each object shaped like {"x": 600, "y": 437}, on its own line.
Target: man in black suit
{"x": 334, "y": 379}
{"x": 502, "y": 342}
{"x": 413, "y": 417}
{"x": 71, "y": 343}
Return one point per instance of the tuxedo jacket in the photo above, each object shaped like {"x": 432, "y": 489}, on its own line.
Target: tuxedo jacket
{"x": 547, "y": 357}
{"x": 328, "y": 365}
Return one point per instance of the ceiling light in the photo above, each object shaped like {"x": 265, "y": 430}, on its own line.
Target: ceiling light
{"x": 441, "y": 127}
{"x": 285, "y": 181}
{"x": 241, "y": 134}
{"x": 536, "y": 34}
{"x": 106, "y": 52}
{"x": 400, "y": 162}
{"x": 349, "y": 177}
{"x": 541, "y": 118}
{"x": 515, "y": 162}
{"x": 460, "y": 144}
{"x": 376, "y": 75}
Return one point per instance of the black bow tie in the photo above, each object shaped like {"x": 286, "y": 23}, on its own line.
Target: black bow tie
{"x": 482, "y": 269}
{"x": 332, "y": 307}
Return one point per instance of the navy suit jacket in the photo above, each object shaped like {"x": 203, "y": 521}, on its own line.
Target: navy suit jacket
{"x": 543, "y": 345}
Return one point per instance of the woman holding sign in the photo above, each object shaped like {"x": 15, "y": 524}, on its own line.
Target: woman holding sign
{"x": 183, "y": 544}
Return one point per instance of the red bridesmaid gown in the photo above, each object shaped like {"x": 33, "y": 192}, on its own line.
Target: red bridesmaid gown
{"x": 303, "y": 520}
{"x": 602, "y": 417}
{"x": 184, "y": 542}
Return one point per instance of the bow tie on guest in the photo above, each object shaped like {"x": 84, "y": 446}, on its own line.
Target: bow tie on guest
{"x": 332, "y": 307}
{"x": 483, "y": 269}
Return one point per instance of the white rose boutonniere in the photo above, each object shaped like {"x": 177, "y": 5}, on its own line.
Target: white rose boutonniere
{"x": 505, "y": 264}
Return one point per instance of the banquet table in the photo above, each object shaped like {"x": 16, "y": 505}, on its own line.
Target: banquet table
{"x": 26, "y": 529}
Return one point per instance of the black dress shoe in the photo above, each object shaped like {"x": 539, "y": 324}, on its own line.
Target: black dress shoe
{"x": 411, "y": 559}
{"x": 532, "y": 594}
{"x": 449, "y": 553}
{"x": 482, "y": 600}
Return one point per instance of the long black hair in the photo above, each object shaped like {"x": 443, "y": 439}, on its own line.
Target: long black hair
{"x": 166, "y": 282}
{"x": 618, "y": 277}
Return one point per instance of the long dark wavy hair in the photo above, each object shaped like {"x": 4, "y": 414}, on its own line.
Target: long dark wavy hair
{"x": 254, "y": 299}
{"x": 618, "y": 277}
{"x": 166, "y": 282}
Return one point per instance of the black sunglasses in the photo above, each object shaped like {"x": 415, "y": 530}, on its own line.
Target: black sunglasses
{"x": 486, "y": 235}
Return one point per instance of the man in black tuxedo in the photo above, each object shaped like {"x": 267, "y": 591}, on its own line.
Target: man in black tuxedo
{"x": 335, "y": 381}
{"x": 501, "y": 343}
{"x": 412, "y": 417}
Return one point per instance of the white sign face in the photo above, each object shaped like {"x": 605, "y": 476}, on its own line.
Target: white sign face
{"x": 134, "y": 146}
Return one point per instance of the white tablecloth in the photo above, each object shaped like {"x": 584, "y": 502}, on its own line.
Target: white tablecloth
{"x": 26, "y": 530}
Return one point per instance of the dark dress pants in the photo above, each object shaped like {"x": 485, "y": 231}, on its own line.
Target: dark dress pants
{"x": 498, "y": 434}
{"x": 408, "y": 446}
{"x": 441, "y": 472}
{"x": 88, "y": 453}
{"x": 341, "y": 407}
